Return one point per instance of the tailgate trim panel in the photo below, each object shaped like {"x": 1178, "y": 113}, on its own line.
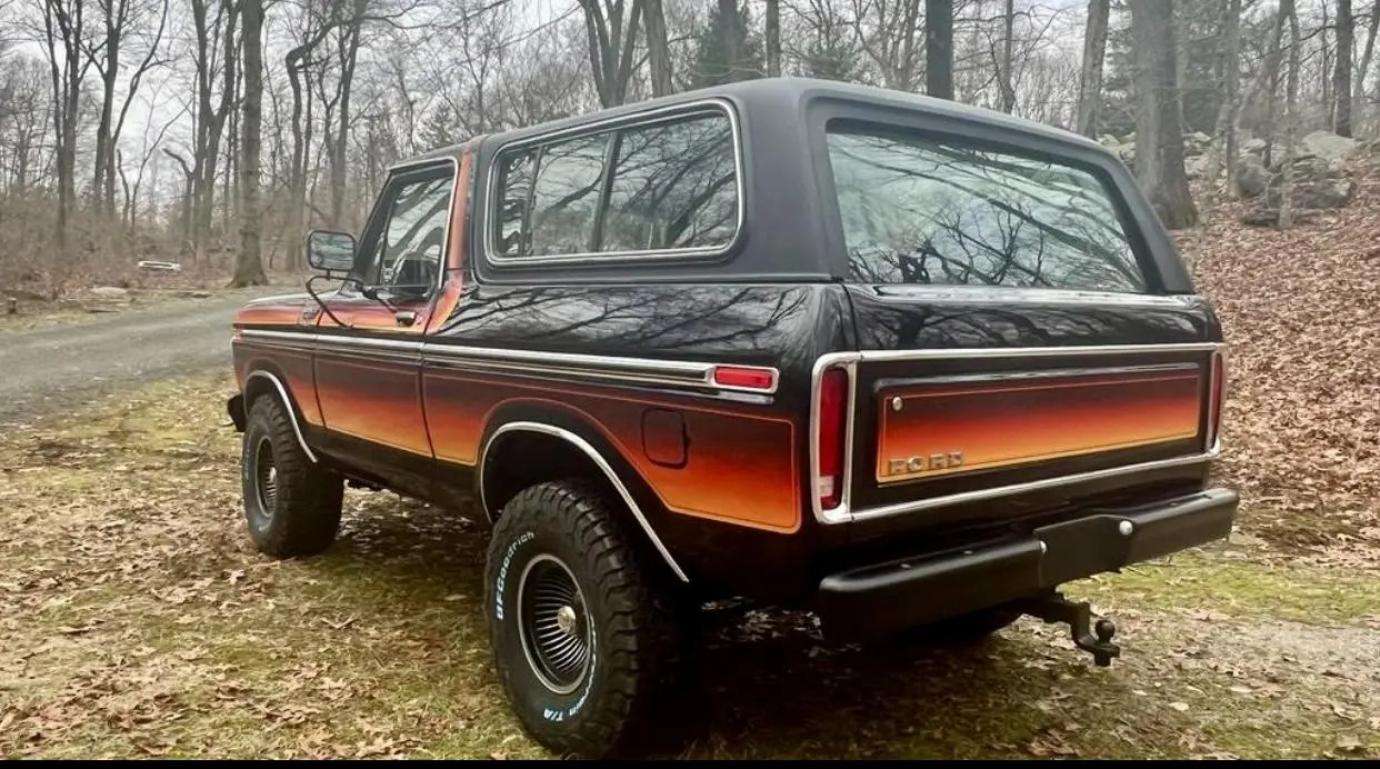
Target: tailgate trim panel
{"x": 958, "y": 412}
{"x": 849, "y": 361}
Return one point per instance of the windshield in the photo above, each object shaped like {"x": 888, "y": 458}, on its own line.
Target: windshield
{"x": 920, "y": 210}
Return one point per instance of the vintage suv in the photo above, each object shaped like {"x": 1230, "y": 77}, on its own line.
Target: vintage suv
{"x": 895, "y": 359}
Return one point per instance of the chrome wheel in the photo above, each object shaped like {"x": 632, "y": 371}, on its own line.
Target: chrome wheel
{"x": 265, "y": 477}
{"x": 554, "y": 624}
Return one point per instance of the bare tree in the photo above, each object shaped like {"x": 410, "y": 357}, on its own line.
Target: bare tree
{"x": 249, "y": 268}
{"x": 1225, "y": 146}
{"x": 773, "y": 38}
{"x": 1341, "y": 76}
{"x": 64, "y": 28}
{"x": 121, "y": 21}
{"x": 1006, "y": 68}
{"x": 215, "y": 56}
{"x": 612, "y": 32}
{"x": 1094, "y": 55}
{"x": 658, "y": 49}
{"x": 887, "y": 30}
{"x": 1363, "y": 70}
{"x": 939, "y": 48}
{"x": 1159, "y": 122}
{"x": 1291, "y": 94}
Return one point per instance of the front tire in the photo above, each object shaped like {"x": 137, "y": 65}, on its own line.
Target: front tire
{"x": 583, "y": 639}
{"x": 291, "y": 504}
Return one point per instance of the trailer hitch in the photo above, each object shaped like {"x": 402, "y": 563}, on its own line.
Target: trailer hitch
{"x": 1054, "y": 607}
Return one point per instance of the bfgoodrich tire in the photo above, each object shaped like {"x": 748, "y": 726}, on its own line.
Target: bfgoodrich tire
{"x": 583, "y": 639}
{"x": 291, "y": 504}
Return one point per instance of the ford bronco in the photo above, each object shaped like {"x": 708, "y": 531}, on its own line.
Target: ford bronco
{"x": 895, "y": 359}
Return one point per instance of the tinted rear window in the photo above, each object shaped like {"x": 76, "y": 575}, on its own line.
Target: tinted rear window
{"x": 920, "y": 210}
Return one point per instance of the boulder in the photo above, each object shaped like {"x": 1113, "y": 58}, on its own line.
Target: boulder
{"x": 1197, "y": 143}
{"x": 1328, "y": 145}
{"x": 1253, "y": 147}
{"x": 1196, "y": 166}
{"x": 1251, "y": 176}
{"x": 1313, "y": 193}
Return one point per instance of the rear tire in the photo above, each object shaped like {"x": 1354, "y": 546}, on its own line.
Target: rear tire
{"x": 291, "y": 504}
{"x": 585, "y": 636}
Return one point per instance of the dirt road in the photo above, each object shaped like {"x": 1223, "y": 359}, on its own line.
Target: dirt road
{"x": 58, "y": 366}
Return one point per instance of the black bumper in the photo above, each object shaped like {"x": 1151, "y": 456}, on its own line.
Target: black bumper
{"x": 913, "y": 591}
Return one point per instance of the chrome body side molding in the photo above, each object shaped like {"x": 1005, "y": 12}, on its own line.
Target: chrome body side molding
{"x": 599, "y": 461}
{"x": 287, "y": 404}
{"x": 601, "y": 368}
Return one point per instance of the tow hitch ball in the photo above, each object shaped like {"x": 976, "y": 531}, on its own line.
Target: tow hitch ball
{"x": 1054, "y": 607}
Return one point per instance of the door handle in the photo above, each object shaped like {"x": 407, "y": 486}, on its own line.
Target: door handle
{"x": 405, "y": 317}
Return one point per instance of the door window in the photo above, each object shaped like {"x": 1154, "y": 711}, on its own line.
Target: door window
{"x": 409, "y": 242}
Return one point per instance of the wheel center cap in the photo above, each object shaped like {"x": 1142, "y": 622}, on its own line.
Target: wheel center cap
{"x": 565, "y": 619}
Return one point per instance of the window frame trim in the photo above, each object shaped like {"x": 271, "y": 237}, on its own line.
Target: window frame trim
{"x": 614, "y": 126}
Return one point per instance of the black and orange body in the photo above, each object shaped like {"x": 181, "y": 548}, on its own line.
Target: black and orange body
{"x": 689, "y": 380}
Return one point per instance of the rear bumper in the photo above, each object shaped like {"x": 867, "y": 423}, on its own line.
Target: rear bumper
{"x": 913, "y": 591}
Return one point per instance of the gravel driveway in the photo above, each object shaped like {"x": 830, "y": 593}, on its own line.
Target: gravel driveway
{"x": 48, "y": 368}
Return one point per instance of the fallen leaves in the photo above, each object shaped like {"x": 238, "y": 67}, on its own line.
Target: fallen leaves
{"x": 1301, "y": 426}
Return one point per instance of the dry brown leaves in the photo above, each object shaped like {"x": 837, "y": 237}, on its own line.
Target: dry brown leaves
{"x": 1301, "y": 311}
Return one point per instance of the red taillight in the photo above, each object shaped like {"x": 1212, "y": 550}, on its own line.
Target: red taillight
{"x": 746, "y": 377}
{"x": 1218, "y": 384}
{"x": 833, "y": 414}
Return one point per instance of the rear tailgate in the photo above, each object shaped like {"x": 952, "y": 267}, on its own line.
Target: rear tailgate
{"x": 982, "y": 435}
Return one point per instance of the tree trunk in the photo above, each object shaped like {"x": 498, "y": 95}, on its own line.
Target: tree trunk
{"x": 1291, "y": 94}
{"x": 1008, "y": 84}
{"x": 1225, "y": 146}
{"x": 658, "y": 51}
{"x": 1159, "y": 124}
{"x": 1341, "y": 76}
{"x": 349, "y": 54}
{"x": 1090, "y": 80}
{"x": 1358, "y": 92}
{"x": 773, "y": 35}
{"x": 939, "y": 48}
{"x": 249, "y": 269}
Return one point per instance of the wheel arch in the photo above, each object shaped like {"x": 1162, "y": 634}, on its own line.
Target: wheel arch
{"x": 570, "y": 444}
{"x": 265, "y": 382}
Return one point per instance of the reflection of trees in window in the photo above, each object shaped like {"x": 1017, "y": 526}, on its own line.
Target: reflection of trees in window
{"x": 514, "y": 204}
{"x": 567, "y": 195}
{"x": 414, "y": 235}
{"x": 673, "y": 187}
{"x": 918, "y": 211}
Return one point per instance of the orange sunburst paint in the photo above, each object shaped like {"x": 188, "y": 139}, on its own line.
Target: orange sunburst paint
{"x": 1003, "y": 423}
{"x": 741, "y": 466}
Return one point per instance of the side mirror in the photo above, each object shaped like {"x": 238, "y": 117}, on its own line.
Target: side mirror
{"x": 331, "y": 252}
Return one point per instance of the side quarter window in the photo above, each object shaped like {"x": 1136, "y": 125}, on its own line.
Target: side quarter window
{"x": 406, "y": 243}
{"x": 669, "y": 184}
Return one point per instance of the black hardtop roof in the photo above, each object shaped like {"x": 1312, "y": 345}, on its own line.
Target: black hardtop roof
{"x": 795, "y": 90}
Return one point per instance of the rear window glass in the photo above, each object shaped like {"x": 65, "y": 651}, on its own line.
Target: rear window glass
{"x": 923, "y": 211}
